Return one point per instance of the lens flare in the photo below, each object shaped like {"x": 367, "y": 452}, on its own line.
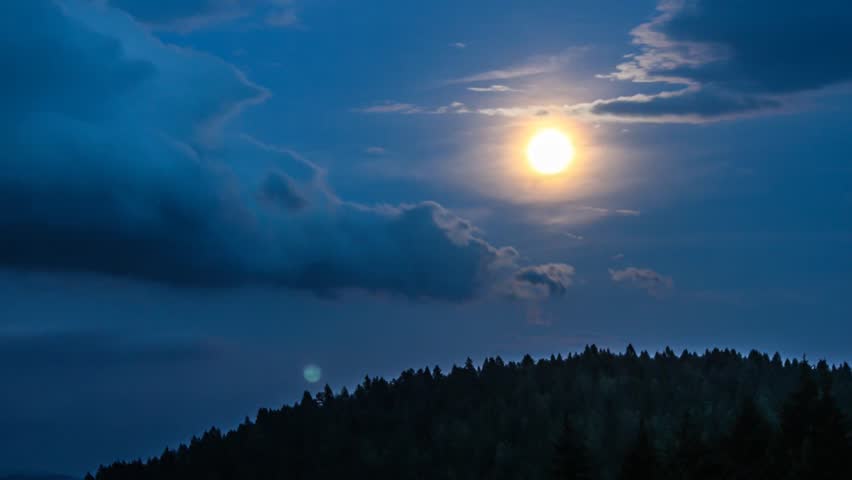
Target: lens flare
{"x": 312, "y": 373}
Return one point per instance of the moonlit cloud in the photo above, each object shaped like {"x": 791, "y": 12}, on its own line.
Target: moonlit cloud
{"x": 536, "y": 65}
{"x": 541, "y": 281}
{"x": 519, "y": 111}
{"x": 653, "y": 283}
{"x": 128, "y": 169}
{"x": 493, "y": 88}
{"x": 579, "y": 214}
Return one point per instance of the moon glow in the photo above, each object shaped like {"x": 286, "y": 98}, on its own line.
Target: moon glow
{"x": 550, "y": 152}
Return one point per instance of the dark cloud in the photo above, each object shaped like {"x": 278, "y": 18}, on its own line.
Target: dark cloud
{"x": 655, "y": 284}
{"x": 540, "y": 281}
{"x": 34, "y": 87}
{"x": 734, "y": 57}
{"x": 138, "y": 177}
{"x": 762, "y": 46}
{"x": 683, "y": 105}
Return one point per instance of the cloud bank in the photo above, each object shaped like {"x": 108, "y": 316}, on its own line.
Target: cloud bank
{"x": 117, "y": 160}
{"x": 732, "y": 58}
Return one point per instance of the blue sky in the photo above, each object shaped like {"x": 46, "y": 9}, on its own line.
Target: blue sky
{"x": 202, "y": 197}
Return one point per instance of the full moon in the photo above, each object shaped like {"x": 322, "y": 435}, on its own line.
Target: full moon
{"x": 549, "y": 152}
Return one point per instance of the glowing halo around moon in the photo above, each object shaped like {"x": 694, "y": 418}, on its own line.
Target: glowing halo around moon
{"x": 550, "y": 152}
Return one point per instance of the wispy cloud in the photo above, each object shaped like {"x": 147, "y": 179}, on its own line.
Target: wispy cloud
{"x": 520, "y": 111}
{"x": 455, "y": 107}
{"x": 578, "y": 214}
{"x": 409, "y": 108}
{"x": 536, "y": 65}
{"x": 458, "y": 45}
{"x": 391, "y": 108}
{"x": 493, "y": 88}
{"x": 375, "y": 150}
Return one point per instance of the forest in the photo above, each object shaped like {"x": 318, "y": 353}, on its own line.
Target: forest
{"x": 589, "y": 415}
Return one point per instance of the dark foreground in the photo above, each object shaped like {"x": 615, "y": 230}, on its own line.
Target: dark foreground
{"x": 596, "y": 415}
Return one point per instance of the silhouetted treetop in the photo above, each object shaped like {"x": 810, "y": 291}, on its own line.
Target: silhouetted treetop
{"x": 593, "y": 415}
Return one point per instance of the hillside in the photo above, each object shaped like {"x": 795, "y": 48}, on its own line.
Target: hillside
{"x": 591, "y": 415}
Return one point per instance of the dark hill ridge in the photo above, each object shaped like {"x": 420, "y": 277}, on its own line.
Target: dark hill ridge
{"x": 591, "y": 415}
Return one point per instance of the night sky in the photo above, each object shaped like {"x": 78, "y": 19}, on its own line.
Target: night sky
{"x": 209, "y": 206}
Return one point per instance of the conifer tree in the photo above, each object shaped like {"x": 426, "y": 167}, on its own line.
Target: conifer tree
{"x": 571, "y": 460}
{"x": 641, "y": 461}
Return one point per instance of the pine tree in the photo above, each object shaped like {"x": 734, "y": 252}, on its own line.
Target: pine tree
{"x": 571, "y": 459}
{"x": 748, "y": 444}
{"x": 641, "y": 461}
{"x": 794, "y": 444}
{"x": 830, "y": 446}
{"x": 691, "y": 458}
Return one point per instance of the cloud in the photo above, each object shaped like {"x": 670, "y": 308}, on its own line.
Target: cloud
{"x": 579, "y": 214}
{"x": 461, "y": 108}
{"x": 410, "y": 109}
{"x": 119, "y": 160}
{"x": 391, "y": 107}
{"x": 458, "y": 45}
{"x": 521, "y": 111}
{"x": 187, "y": 15}
{"x": 375, "y": 150}
{"x": 493, "y": 88}
{"x": 644, "y": 278}
{"x": 688, "y": 105}
{"x": 536, "y": 65}
{"x": 454, "y": 107}
{"x": 732, "y": 58}
{"x": 541, "y": 281}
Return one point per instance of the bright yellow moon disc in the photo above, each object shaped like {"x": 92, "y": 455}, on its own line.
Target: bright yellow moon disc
{"x": 549, "y": 152}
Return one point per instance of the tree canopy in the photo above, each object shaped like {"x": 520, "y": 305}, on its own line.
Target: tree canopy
{"x": 592, "y": 415}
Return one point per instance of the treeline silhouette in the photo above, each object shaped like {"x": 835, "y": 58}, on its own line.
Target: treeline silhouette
{"x": 593, "y": 415}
